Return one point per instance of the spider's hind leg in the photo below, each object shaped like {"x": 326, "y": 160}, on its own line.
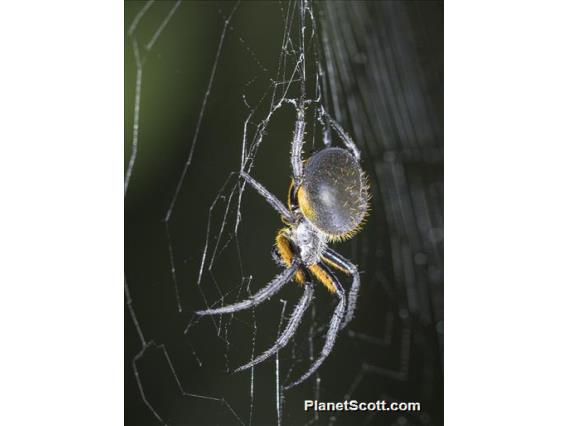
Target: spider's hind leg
{"x": 343, "y": 135}
{"x": 297, "y": 144}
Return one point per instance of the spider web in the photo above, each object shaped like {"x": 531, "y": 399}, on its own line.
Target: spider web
{"x": 206, "y": 85}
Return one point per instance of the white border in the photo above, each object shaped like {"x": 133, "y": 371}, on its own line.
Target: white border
{"x": 61, "y": 235}
{"x": 506, "y": 96}
{"x": 61, "y": 171}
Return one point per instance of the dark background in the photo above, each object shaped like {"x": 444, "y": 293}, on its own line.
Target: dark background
{"x": 383, "y": 62}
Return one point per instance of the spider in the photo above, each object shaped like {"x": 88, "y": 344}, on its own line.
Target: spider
{"x": 328, "y": 201}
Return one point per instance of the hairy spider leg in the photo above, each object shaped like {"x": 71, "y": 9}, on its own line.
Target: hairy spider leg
{"x": 319, "y": 271}
{"x": 286, "y": 253}
{"x": 344, "y": 136}
{"x": 334, "y": 327}
{"x": 290, "y": 329}
{"x": 269, "y": 197}
{"x": 335, "y": 260}
{"x": 297, "y": 143}
{"x": 264, "y": 293}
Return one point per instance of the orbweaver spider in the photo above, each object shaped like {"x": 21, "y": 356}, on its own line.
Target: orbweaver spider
{"x": 328, "y": 200}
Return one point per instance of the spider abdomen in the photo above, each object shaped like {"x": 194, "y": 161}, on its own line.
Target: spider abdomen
{"x": 334, "y": 195}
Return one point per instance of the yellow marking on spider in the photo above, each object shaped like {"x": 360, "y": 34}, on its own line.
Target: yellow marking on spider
{"x": 322, "y": 277}
{"x": 287, "y": 254}
{"x": 335, "y": 265}
{"x": 305, "y": 205}
{"x": 290, "y": 189}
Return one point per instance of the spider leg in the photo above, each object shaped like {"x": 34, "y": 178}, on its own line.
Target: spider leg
{"x": 297, "y": 143}
{"x": 334, "y": 327}
{"x": 334, "y": 259}
{"x": 286, "y": 253}
{"x": 269, "y": 197}
{"x": 264, "y": 293}
{"x": 345, "y": 138}
{"x": 290, "y": 329}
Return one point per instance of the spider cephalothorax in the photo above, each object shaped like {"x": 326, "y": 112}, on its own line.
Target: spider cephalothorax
{"x": 327, "y": 201}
